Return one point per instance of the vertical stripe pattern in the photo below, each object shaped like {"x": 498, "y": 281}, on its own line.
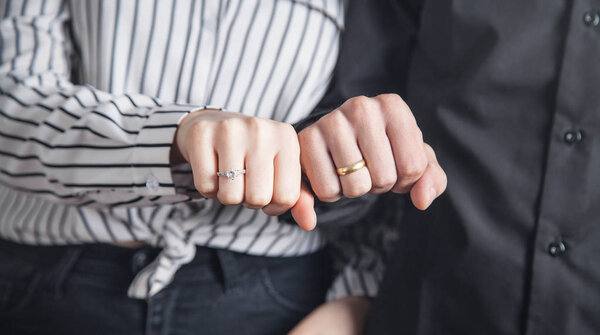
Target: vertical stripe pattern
{"x": 91, "y": 93}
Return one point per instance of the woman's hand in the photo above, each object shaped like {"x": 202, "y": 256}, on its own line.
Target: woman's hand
{"x": 212, "y": 141}
{"x": 345, "y": 316}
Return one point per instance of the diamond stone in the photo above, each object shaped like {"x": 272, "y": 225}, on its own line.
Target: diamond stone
{"x": 231, "y": 174}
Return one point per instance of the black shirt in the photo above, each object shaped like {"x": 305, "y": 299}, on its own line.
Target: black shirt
{"x": 508, "y": 94}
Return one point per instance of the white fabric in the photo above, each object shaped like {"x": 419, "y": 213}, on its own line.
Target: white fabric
{"x": 91, "y": 93}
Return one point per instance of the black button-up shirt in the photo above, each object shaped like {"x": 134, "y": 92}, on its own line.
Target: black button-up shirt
{"x": 508, "y": 94}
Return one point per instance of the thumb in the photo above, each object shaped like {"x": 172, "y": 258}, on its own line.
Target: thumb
{"x": 430, "y": 186}
{"x": 303, "y": 211}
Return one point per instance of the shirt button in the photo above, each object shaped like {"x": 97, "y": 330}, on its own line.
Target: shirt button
{"x": 573, "y": 136}
{"x": 557, "y": 248}
{"x": 591, "y": 19}
{"x": 152, "y": 184}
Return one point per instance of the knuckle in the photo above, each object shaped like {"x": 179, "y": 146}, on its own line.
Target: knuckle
{"x": 391, "y": 100}
{"x": 287, "y": 130}
{"x": 305, "y": 135}
{"x": 411, "y": 170}
{"x": 429, "y": 152}
{"x": 199, "y": 131}
{"x": 200, "y": 126}
{"x": 418, "y": 135}
{"x": 379, "y": 190}
{"x": 368, "y": 125}
{"x": 254, "y": 124}
{"x": 332, "y": 198}
{"x": 309, "y": 136}
{"x": 229, "y": 198}
{"x": 328, "y": 192}
{"x": 206, "y": 188}
{"x": 360, "y": 103}
{"x": 334, "y": 121}
{"x": 394, "y": 106}
{"x": 355, "y": 190}
{"x": 230, "y": 127}
{"x": 286, "y": 200}
{"x": 400, "y": 188}
{"x": 407, "y": 117}
{"x": 383, "y": 181}
{"x": 257, "y": 200}
{"x": 274, "y": 210}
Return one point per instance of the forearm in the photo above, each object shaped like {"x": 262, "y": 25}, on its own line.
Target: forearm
{"x": 70, "y": 143}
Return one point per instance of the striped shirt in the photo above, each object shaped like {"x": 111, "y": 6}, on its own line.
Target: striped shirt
{"x": 91, "y": 93}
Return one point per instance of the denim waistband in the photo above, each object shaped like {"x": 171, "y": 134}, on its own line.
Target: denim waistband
{"x": 42, "y": 254}
{"x": 115, "y": 265}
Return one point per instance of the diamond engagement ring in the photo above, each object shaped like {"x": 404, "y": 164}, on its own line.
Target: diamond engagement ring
{"x": 231, "y": 174}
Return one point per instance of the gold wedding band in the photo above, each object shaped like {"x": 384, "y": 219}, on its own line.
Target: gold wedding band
{"x": 351, "y": 168}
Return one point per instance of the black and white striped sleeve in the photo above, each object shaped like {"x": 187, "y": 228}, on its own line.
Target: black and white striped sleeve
{"x": 73, "y": 143}
{"x": 360, "y": 250}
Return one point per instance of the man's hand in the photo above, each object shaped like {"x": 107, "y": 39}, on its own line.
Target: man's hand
{"x": 212, "y": 140}
{"x": 345, "y": 316}
{"x": 383, "y": 132}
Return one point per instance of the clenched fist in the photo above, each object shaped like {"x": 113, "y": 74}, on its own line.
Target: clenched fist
{"x": 381, "y": 131}
{"x": 212, "y": 141}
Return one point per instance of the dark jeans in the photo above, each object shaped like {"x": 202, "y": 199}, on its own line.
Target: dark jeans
{"x": 82, "y": 290}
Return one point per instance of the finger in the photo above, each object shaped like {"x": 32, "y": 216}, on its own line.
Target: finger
{"x": 377, "y": 151}
{"x": 286, "y": 186}
{"x": 230, "y": 155}
{"x": 318, "y": 166}
{"x": 303, "y": 211}
{"x": 203, "y": 161}
{"x": 345, "y": 151}
{"x": 407, "y": 146}
{"x": 259, "y": 179}
{"x": 430, "y": 185}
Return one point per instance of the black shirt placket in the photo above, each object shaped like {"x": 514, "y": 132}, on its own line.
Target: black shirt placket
{"x": 563, "y": 262}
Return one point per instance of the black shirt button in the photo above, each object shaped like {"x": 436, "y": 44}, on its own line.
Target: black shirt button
{"x": 557, "y": 248}
{"x": 591, "y": 19}
{"x": 573, "y": 136}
